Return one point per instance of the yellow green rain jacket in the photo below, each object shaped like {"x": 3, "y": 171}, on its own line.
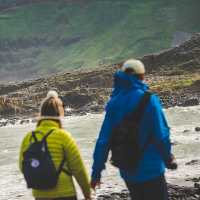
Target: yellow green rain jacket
{"x": 58, "y": 140}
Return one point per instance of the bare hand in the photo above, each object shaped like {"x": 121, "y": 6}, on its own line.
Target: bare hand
{"x": 172, "y": 164}
{"x": 95, "y": 183}
{"x": 88, "y": 198}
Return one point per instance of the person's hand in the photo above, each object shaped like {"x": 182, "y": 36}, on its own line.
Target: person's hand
{"x": 172, "y": 164}
{"x": 88, "y": 198}
{"x": 95, "y": 183}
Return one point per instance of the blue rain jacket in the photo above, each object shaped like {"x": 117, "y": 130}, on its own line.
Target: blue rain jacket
{"x": 127, "y": 93}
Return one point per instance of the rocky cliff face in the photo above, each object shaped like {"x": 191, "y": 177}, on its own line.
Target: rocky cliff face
{"x": 174, "y": 74}
{"x": 184, "y": 58}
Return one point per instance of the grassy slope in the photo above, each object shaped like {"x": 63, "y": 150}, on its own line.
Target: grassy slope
{"x": 108, "y": 31}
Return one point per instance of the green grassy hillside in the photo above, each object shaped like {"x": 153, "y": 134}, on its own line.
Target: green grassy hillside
{"x": 39, "y": 37}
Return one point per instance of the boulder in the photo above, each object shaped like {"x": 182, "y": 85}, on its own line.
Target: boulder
{"x": 191, "y": 102}
{"x": 193, "y": 162}
{"x": 74, "y": 99}
{"x": 197, "y": 129}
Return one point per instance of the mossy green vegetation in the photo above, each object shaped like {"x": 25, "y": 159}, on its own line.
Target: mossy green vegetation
{"x": 50, "y": 36}
{"x": 174, "y": 83}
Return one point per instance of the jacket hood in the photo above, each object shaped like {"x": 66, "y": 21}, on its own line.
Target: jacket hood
{"x": 123, "y": 84}
{"x": 123, "y": 81}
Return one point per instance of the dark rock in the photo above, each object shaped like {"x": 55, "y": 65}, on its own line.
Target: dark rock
{"x": 197, "y": 185}
{"x": 193, "y": 162}
{"x": 174, "y": 143}
{"x": 34, "y": 120}
{"x": 175, "y": 193}
{"x": 197, "y": 129}
{"x": 96, "y": 108}
{"x": 195, "y": 180}
{"x": 76, "y": 100}
{"x": 191, "y": 102}
{"x": 181, "y": 57}
{"x": 24, "y": 121}
{"x": 12, "y": 121}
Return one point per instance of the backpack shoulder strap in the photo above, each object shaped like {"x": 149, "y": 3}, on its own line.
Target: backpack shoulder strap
{"x": 61, "y": 166}
{"x": 47, "y": 135}
{"x": 139, "y": 111}
{"x": 149, "y": 140}
{"x": 33, "y": 136}
{"x": 144, "y": 102}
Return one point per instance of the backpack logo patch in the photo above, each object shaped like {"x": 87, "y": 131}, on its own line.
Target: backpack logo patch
{"x": 35, "y": 163}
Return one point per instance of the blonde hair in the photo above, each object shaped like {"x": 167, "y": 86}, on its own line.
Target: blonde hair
{"x": 50, "y": 108}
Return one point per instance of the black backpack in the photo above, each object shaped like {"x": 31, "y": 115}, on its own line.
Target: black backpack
{"x": 38, "y": 167}
{"x": 124, "y": 141}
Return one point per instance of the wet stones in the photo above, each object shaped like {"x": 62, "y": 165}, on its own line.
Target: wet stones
{"x": 195, "y": 180}
{"x": 197, "y": 129}
{"x": 24, "y": 121}
{"x": 175, "y": 193}
{"x": 14, "y": 121}
{"x": 197, "y": 185}
{"x": 75, "y": 99}
{"x": 191, "y": 102}
{"x": 193, "y": 162}
{"x": 186, "y": 131}
{"x": 3, "y": 123}
{"x": 174, "y": 143}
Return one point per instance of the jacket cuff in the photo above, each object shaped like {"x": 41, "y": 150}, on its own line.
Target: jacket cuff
{"x": 164, "y": 148}
{"x": 96, "y": 176}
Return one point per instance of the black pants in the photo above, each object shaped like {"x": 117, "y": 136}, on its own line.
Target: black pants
{"x": 155, "y": 189}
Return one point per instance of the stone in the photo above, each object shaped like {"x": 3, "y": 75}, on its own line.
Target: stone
{"x": 197, "y": 129}
{"x": 191, "y": 102}
{"x": 175, "y": 193}
{"x": 193, "y": 162}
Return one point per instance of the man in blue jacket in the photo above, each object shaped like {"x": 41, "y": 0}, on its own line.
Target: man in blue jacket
{"x": 148, "y": 180}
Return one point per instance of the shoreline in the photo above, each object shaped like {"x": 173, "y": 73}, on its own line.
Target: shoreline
{"x": 175, "y": 193}
{"x": 114, "y": 189}
{"x": 99, "y": 109}
{"x": 27, "y": 119}
{"x": 82, "y": 100}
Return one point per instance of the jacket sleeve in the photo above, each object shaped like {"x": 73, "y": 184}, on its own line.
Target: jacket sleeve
{"x": 76, "y": 165}
{"x": 23, "y": 147}
{"x": 102, "y": 148}
{"x": 160, "y": 129}
{"x": 21, "y": 157}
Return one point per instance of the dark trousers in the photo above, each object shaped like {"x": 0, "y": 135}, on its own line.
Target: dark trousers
{"x": 155, "y": 189}
{"x": 61, "y": 198}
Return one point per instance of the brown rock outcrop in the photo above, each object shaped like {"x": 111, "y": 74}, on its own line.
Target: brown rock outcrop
{"x": 89, "y": 90}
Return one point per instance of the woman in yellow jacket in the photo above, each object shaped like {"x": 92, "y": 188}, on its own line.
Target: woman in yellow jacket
{"x": 51, "y": 111}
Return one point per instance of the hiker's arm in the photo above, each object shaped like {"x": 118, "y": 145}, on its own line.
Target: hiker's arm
{"x": 21, "y": 157}
{"x": 102, "y": 148}
{"x": 24, "y": 144}
{"x": 76, "y": 165}
{"x": 160, "y": 129}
